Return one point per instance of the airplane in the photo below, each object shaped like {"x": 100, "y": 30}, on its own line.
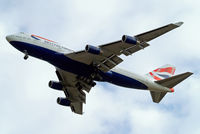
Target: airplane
{"x": 79, "y": 71}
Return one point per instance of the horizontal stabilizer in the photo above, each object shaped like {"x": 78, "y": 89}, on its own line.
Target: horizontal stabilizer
{"x": 174, "y": 80}
{"x": 157, "y": 96}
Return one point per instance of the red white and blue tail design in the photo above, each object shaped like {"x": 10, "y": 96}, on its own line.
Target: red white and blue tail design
{"x": 163, "y": 72}
{"x": 164, "y": 77}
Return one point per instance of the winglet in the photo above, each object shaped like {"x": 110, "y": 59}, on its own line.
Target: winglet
{"x": 178, "y": 24}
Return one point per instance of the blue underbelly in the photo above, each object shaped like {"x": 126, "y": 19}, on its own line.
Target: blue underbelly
{"x": 122, "y": 80}
{"x": 63, "y": 62}
{"x": 57, "y": 59}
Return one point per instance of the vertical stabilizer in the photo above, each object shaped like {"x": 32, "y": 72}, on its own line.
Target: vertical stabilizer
{"x": 163, "y": 72}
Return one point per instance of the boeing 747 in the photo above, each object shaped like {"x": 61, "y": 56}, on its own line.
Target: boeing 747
{"x": 78, "y": 71}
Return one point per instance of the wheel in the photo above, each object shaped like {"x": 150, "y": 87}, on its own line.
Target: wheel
{"x": 93, "y": 84}
{"x": 78, "y": 85}
{"x": 26, "y": 54}
{"x": 26, "y": 57}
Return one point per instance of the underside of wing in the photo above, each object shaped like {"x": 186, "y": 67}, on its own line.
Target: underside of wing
{"x": 73, "y": 87}
{"x": 106, "y": 57}
{"x": 77, "y": 107}
{"x": 104, "y": 62}
{"x": 150, "y": 35}
{"x": 109, "y": 58}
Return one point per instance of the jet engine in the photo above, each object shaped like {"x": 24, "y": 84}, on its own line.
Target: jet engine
{"x": 93, "y": 50}
{"x": 129, "y": 39}
{"x": 63, "y": 101}
{"x": 55, "y": 85}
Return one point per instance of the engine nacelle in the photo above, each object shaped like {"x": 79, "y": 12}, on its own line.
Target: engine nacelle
{"x": 129, "y": 39}
{"x": 63, "y": 101}
{"x": 93, "y": 49}
{"x": 55, "y": 85}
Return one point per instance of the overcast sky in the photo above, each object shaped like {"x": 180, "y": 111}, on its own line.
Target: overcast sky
{"x": 28, "y": 105}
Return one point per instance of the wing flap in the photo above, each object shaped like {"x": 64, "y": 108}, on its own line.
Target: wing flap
{"x": 109, "y": 63}
{"x": 134, "y": 49}
{"x": 74, "y": 94}
{"x": 120, "y": 47}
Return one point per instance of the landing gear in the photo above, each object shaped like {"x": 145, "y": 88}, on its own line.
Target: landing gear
{"x": 26, "y": 57}
{"x": 26, "y": 54}
{"x": 66, "y": 93}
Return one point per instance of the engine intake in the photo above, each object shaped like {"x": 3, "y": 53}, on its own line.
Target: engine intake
{"x": 93, "y": 50}
{"x": 129, "y": 39}
{"x": 63, "y": 101}
{"x": 55, "y": 85}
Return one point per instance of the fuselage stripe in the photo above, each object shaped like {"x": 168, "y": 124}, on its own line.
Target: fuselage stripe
{"x": 42, "y": 38}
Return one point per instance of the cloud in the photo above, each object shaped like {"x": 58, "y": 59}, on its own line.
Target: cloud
{"x": 29, "y": 106}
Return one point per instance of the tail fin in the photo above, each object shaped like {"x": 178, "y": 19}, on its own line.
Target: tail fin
{"x": 163, "y": 72}
{"x": 170, "y": 83}
{"x": 164, "y": 76}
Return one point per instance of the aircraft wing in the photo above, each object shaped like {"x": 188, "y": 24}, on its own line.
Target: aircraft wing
{"x": 73, "y": 89}
{"x": 150, "y": 35}
{"x": 109, "y": 57}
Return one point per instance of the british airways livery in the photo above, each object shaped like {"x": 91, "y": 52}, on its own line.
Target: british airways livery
{"x": 78, "y": 71}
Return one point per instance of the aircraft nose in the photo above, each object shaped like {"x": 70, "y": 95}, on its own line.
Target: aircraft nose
{"x": 9, "y": 38}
